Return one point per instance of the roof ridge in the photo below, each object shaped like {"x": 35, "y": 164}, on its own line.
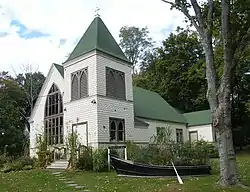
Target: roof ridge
{"x": 97, "y": 34}
{"x": 146, "y": 90}
{"x": 197, "y": 111}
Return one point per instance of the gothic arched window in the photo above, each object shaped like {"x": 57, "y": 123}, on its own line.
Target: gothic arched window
{"x": 53, "y": 116}
{"x": 79, "y": 84}
{"x": 112, "y": 131}
{"x": 120, "y": 80}
{"x": 117, "y": 130}
{"x": 111, "y": 91}
{"x": 84, "y": 84}
{"x": 74, "y": 87}
{"x": 115, "y": 84}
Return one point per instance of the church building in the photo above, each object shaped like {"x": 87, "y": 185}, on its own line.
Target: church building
{"x": 91, "y": 94}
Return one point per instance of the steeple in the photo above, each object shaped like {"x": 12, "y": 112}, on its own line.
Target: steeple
{"x": 97, "y": 37}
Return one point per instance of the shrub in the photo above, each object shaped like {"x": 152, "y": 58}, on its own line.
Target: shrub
{"x": 188, "y": 153}
{"x": 43, "y": 153}
{"x": 132, "y": 150}
{"x": 43, "y": 158}
{"x": 213, "y": 151}
{"x": 100, "y": 160}
{"x": 18, "y": 164}
{"x": 25, "y": 161}
{"x": 85, "y": 161}
{"x": 27, "y": 167}
{"x": 3, "y": 160}
{"x": 6, "y": 168}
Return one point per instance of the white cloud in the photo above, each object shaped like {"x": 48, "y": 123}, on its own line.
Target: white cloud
{"x": 68, "y": 19}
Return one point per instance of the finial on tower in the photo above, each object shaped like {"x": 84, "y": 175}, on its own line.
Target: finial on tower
{"x": 97, "y": 12}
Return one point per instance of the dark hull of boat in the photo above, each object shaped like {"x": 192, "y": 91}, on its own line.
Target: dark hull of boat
{"x": 127, "y": 168}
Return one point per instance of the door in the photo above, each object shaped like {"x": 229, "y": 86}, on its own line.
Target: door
{"x": 81, "y": 130}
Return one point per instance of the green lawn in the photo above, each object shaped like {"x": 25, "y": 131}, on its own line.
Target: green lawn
{"x": 36, "y": 180}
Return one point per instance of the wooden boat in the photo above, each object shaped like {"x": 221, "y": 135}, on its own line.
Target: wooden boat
{"x": 128, "y": 168}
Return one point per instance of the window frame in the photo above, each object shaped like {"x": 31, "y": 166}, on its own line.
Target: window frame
{"x": 78, "y": 75}
{"x": 114, "y": 90}
{"x": 190, "y": 132}
{"x": 177, "y": 136}
{"x": 117, "y": 122}
{"x": 53, "y": 119}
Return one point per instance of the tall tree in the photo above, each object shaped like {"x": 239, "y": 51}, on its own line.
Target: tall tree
{"x": 32, "y": 84}
{"x": 135, "y": 42}
{"x": 12, "y": 126}
{"x": 235, "y": 36}
{"x": 176, "y": 72}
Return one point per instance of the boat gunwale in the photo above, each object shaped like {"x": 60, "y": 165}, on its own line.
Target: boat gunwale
{"x": 160, "y": 166}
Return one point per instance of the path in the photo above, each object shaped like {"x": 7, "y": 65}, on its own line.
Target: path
{"x": 69, "y": 183}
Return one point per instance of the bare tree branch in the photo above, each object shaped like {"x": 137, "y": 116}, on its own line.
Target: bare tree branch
{"x": 184, "y": 10}
{"x": 227, "y": 43}
{"x": 169, "y": 2}
{"x": 198, "y": 14}
{"x": 210, "y": 16}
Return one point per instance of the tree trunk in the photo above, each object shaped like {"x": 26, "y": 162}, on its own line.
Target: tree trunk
{"x": 220, "y": 105}
{"x": 223, "y": 127}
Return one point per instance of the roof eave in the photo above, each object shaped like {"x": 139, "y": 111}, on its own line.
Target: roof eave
{"x": 94, "y": 49}
{"x": 200, "y": 124}
{"x": 164, "y": 120}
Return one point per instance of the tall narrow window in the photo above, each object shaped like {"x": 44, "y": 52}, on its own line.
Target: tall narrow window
{"x": 84, "y": 84}
{"x": 179, "y": 135}
{"x": 120, "y": 131}
{"x": 74, "y": 88}
{"x": 115, "y": 84}
{"x": 111, "y": 84}
{"x": 79, "y": 84}
{"x": 112, "y": 131}
{"x": 117, "y": 130}
{"x": 120, "y": 85}
{"x": 53, "y": 117}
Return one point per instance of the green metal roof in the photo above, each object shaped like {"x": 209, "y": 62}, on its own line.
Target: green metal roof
{"x": 60, "y": 69}
{"x": 198, "y": 118}
{"x": 139, "y": 122}
{"x": 97, "y": 37}
{"x": 151, "y": 105}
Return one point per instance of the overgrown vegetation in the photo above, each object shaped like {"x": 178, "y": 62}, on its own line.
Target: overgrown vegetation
{"x": 8, "y": 164}
{"x": 187, "y": 153}
{"x": 162, "y": 151}
{"x": 85, "y": 159}
{"x": 44, "y": 155}
{"x": 73, "y": 144}
{"x": 94, "y": 160}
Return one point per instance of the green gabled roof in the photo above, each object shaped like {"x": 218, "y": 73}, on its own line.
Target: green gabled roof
{"x": 97, "y": 37}
{"x": 198, "y": 118}
{"x": 60, "y": 69}
{"x": 151, "y": 105}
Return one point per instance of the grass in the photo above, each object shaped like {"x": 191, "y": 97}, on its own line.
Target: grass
{"x": 31, "y": 181}
{"x": 36, "y": 180}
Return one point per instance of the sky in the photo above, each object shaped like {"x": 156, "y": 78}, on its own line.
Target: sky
{"x": 41, "y": 32}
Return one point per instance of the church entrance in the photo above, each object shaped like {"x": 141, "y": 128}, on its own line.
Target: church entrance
{"x": 81, "y": 129}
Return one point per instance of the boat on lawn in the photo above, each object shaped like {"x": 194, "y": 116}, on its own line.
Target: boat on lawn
{"x": 129, "y": 168}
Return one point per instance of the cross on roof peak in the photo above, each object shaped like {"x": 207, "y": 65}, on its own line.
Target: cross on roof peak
{"x": 97, "y": 12}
